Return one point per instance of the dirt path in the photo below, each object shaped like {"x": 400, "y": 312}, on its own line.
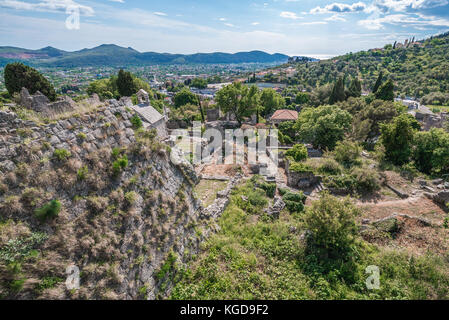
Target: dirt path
{"x": 419, "y": 206}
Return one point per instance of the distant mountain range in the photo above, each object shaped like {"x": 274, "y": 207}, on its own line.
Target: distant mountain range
{"x": 113, "y": 55}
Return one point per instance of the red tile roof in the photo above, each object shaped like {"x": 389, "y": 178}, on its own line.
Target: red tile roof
{"x": 285, "y": 114}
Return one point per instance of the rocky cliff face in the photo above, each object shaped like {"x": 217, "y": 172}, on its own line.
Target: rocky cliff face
{"x": 128, "y": 217}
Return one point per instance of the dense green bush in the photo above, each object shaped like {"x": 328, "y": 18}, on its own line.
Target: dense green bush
{"x": 323, "y": 126}
{"x": 109, "y": 88}
{"x": 136, "y": 122}
{"x": 347, "y": 153}
{"x": 294, "y": 201}
{"x": 365, "y": 180}
{"x": 49, "y": 210}
{"x": 397, "y": 138}
{"x": 300, "y": 167}
{"x": 330, "y": 166}
{"x": 18, "y": 76}
{"x": 185, "y": 96}
{"x": 269, "y": 188}
{"x": 119, "y": 165}
{"x": 298, "y": 152}
{"x": 333, "y": 225}
{"x": 431, "y": 151}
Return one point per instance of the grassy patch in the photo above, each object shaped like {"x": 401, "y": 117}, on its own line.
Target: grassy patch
{"x": 256, "y": 258}
{"x": 207, "y": 190}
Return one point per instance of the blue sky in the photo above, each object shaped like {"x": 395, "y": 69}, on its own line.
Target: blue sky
{"x": 296, "y": 27}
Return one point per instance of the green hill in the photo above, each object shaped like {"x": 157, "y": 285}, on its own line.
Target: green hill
{"x": 417, "y": 69}
{"x": 113, "y": 55}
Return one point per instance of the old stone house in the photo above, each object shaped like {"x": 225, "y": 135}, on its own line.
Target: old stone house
{"x": 284, "y": 115}
{"x": 150, "y": 116}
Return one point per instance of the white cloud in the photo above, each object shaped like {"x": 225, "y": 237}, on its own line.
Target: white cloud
{"x": 418, "y": 20}
{"x": 289, "y": 15}
{"x": 229, "y": 25}
{"x": 121, "y": 1}
{"x": 255, "y": 23}
{"x": 404, "y": 5}
{"x": 47, "y": 6}
{"x": 312, "y": 23}
{"x": 336, "y": 17}
{"x": 340, "y": 8}
{"x": 160, "y": 13}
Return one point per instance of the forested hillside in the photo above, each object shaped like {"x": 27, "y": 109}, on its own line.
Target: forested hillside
{"x": 417, "y": 69}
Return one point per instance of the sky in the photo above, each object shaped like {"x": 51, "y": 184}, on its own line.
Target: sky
{"x": 318, "y": 28}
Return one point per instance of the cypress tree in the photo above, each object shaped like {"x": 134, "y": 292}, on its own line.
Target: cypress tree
{"x": 338, "y": 91}
{"x": 355, "y": 88}
{"x": 125, "y": 84}
{"x": 378, "y": 82}
{"x": 386, "y": 91}
{"x": 18, "y": 76}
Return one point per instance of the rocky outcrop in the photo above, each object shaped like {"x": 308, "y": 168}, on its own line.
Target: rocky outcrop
{"x": 276, "y": 208}
{"x": 127, "y": 225}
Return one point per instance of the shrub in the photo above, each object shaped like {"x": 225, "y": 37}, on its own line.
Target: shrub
{"x": 131, "y": 197}
{"x": 365, "y": 180}
{"x": 298, "y": 152}
{"x": 17, "y": 249}
{"x": 61, "y": 154}
{"x": 251, "y": 200}
{"x": 269, "y": 188}
{"x": 300, "y": 167}
{"x": 431, "y": 151}
{"x": 82, "y": 173}
{"x": 49, "y": 210}
{"x": 332, "y": 223}
{"x": 294, "y": 202}
{"x": 120, "y": 164}
{"x": 397, "y": 138}
{"x": 347, "y": 153}
{"x": 116, "y": 153}
{"x": 330, "y": 166}
{"x": 343, "y": 182}
{"x": 136, "y": 122}
{"x": 81, "y": 136}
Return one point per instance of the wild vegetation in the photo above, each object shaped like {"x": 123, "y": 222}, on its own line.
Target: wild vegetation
{"x": 419, "y": 70}
{"x": 314, "y": 253}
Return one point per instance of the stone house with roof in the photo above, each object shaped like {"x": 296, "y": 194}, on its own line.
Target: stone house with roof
{"x": 151, "y": 118}
{"x": 283, "y": 115}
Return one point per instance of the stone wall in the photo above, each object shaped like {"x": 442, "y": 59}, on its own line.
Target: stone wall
{"x": 135, "y": 241}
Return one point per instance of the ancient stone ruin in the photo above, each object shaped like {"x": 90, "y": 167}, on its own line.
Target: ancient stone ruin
{"x": 143, "y": 97}
{"x": 40, "y": 103}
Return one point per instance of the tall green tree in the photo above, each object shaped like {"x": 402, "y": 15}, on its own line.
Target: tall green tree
{"x": 125, "y": 84}
{"x": 185, "y": 96}
{"x": 239, "y": 100}
{"x": 18, "y": 76}
{"x": 270, "y": 101}
{"x": 199, "y": 83}
{"x": 323, "y": 126}
{"x": 355, "y": 88}
{"x": 431, "y": 151}
{"x": 338, "y": 91}
{"x": 386, "y": 91}
{"x": 378, "y": 82}
{"x": 397, "y": 138}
